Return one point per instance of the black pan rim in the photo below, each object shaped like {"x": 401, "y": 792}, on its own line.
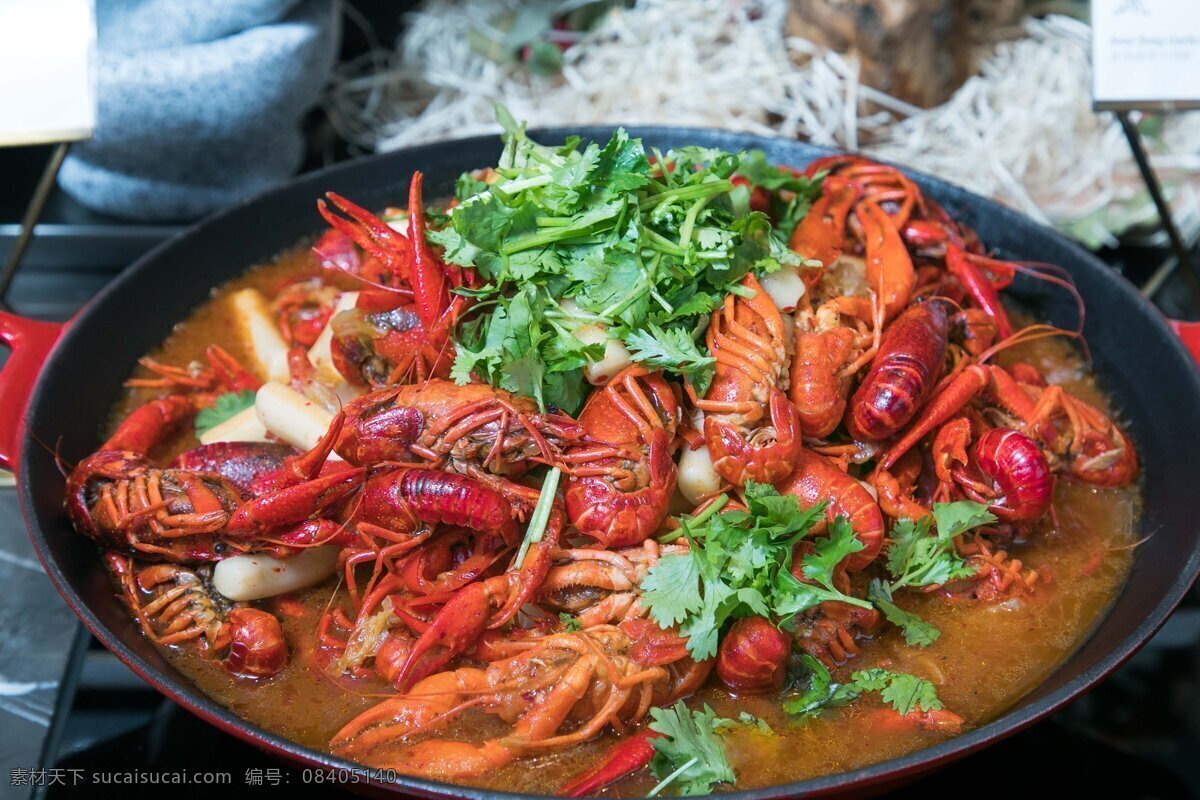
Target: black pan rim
{"x": 914, "y": 763}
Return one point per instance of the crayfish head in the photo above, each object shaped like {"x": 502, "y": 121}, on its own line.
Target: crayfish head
{"x": 85, "y": 481}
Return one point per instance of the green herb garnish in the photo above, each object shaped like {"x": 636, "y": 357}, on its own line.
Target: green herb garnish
{"x": 689, "y": 754}
{"x": 225, "y": 407}
{"x": 739, "y": 565}
{"x": 792, "y": 195}
{"x": 903, "y": 692}
{"x": 917, "y": 632}
{"x": 646, "y": 252}
{"x": 817, "y": 691}
{"x": 921, "y": 557}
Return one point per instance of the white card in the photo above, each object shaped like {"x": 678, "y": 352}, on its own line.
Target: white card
{"x": 1146, "y": 53}
{"x": 47, "y": 74}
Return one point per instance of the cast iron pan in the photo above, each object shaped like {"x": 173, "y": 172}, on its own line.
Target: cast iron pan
{"x": 1138, "y": 358}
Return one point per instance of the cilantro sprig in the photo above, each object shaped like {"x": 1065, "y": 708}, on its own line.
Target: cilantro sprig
{"x": 791, "y": 195}
{"x": 917, "y": 632}
{"x": 922, "y": 552}
{"x": 646, "y": 244}
{"x": 903, "y": 692}
{"x": 817, "y": 691}
{"x": 739, "y": 565}
{"x": 689, "y": 755}
{"x": 224, "y": 407}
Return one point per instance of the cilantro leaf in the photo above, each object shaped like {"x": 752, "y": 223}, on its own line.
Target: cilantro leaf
{"x": 669, "y": 588}
{"x": 224, "y": 407}
{"x": 905, "y": 693}
{"x": 917, "y": 632}
{"x": 831, "y": 551}
{"x": 792, "y": 195}
{"x": 748, "y": 719}
{"x": 688, "y": 755}
{"x": 739, "y": 565}
{"x": 918, "y": 557}
{"x": 817, "y": 691}
{"x": 954, "y": 519}
{"x": 517, "y": 348}
{"x": 744, "y": 720}
{"x": 818, "y": 567}
{"x": 672, "y": 349}
{"x": 755, "y": 168}
{"x": 569, "y": 623}
{"x": 780, "y": 512}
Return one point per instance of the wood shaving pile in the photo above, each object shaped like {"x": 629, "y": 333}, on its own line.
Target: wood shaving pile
{"x": 1021, "y": 131}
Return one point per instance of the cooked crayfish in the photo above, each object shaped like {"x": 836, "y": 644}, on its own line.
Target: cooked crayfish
{"x": 832, "y": 343}
{"x": 118, "y": 496}
{"x": 475, "y": 430}
{"x": 585, "y": 680}
{"x": 623, "y": 477}
{"x": 173, "y": 605}
{"x": 751, "y": 428}
{"x": 1077, "y": 437}
{"x": 399, "y": 329}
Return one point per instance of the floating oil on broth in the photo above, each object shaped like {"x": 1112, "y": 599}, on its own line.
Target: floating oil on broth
{"x": 987, "y": 658}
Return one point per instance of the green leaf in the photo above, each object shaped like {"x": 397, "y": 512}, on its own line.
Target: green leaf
{"x": 689, "y": 752}
{"x": 467, "y": 186}
{"x": 830, "y": 551}
{"x": 672, "y": 589}
{"x": 955, "y": 519}
{"x": 791, "y": 195}
{"x": 905, "y": 693}
{"x": 671, "y": 349}
{"x": 917, "y": 632}
{"x": 818, "y": 567}
{"x": 648, "y": 252}
{"x": 224, "y": 407}
{"x": 738, "y": 566}
{"x": 744, "y": 720}
{"x": 817, "y": 691}
{"x": 748, "y": 719}
{"x": 781, "y": 514}
{"x": 622, "y": 165}
{"x": 920, "y": 558}
{"x": 755, "y": 168}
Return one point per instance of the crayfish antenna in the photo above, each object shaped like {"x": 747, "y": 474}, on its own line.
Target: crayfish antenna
{"x": 1056, "y": 275}
{"x": 1031, "y": 333}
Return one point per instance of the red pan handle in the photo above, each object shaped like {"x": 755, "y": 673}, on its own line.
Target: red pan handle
{"x": 1189, "y": 332}
{"x": 30, "y": 342}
